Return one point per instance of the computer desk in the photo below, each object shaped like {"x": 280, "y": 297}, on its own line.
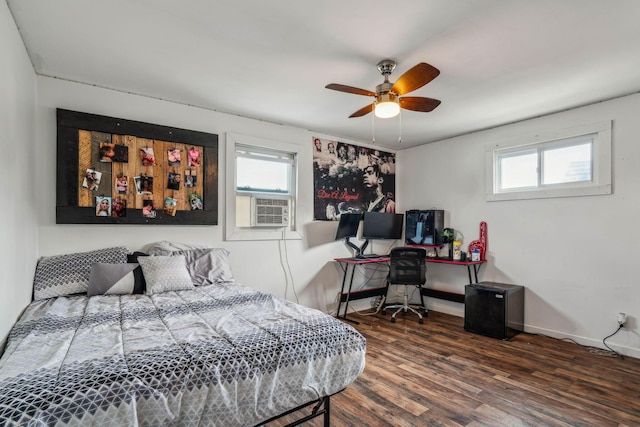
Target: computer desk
{"x": 473, "y": 267}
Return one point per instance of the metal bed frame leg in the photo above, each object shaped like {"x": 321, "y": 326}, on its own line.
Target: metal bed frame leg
{"x": 315, "y": 412}
{"x": 327, "y": 409}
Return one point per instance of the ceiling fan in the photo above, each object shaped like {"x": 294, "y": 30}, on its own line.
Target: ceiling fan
{"x": 389, "y": 97}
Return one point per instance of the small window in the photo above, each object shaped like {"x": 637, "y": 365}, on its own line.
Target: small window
{"x": 576, "y": 162}
{"x": 263, "y": 171}
{"x": 261, "y": 186}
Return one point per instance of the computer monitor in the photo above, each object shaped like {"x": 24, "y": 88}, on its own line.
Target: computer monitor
{"x": 381, "y": 226}
{"x": 348, "y": 225}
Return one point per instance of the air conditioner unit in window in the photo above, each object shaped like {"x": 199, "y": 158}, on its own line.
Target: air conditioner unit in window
{"x": 269, "y": 211}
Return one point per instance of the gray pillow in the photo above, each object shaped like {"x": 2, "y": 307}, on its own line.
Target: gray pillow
{"x": 165, "y": 273}
{"x": 205, "y": 265}
{"x": 61, "y": 275}
{"x": 114, "y": 279}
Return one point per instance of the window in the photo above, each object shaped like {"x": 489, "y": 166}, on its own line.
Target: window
{"x": 263, "y": 171}
{"x": 572, "y": 162}
{"x": 261, "y": 189}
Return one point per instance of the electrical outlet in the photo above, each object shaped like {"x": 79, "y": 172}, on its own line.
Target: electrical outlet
{"x": 622, "y": 318}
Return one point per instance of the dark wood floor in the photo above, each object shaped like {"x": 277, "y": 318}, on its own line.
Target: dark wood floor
{"x": 437, "y": 374}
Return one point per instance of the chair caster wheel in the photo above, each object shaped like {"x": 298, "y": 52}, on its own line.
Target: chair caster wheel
{"x": 393, "y": 320}
{"x": 420, "y": 321}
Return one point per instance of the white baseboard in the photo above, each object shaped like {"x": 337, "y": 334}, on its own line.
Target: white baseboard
{"x": 457, "y": 309}
{"x": 447, "y": 307}
{"x": 585, "y": 341}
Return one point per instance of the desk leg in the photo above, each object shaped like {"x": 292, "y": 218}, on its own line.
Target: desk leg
{"x": 346, "y": 303}
{"x": 344, "y": 280}
{"x": 476, "y": 269}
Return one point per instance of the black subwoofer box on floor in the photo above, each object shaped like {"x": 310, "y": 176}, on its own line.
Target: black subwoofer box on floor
{"x": 494, "y": 309}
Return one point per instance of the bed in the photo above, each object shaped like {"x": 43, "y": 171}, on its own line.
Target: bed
{"x": 166, "y": 352}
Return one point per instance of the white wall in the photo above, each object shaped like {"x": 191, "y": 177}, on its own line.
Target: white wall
{"x": 576, "y": 256}
{"x": 258, "y": 264}
{"x": 18, "y": 226}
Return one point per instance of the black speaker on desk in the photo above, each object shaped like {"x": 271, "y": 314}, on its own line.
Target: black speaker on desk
{"x": 424, "y": 227}
{"x": 494, "y": 309}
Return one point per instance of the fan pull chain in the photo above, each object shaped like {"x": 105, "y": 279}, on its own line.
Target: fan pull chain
{"x": 400, "y": 127}
{"x": 373, "y": 125}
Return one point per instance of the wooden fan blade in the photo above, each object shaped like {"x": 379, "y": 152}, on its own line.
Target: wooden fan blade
{"x": 363, "y": 111}
{"x": 417, "y": 103}
{"x": 350, "y": 89}
{"x": 415, "y": 78}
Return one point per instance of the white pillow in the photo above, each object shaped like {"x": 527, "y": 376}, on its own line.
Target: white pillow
{"x": 165, "y": 273}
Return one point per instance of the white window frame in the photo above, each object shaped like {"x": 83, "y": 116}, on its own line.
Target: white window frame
{"x": 240, "y": 233}
{"x": 600, "y": 183}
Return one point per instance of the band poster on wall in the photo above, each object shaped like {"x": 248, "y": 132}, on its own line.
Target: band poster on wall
{"x": 116, "y": 171}
{"x": 351, "y": 179}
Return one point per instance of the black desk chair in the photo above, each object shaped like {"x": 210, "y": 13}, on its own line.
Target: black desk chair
{"x": 407, "y": 267}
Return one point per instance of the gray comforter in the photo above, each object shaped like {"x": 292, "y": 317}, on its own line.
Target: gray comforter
{"x": 217, "y": 355}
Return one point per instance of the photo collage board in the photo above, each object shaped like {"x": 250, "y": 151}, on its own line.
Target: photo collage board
{"x": 153, "y": 175}
{"x": 125, "y": 175}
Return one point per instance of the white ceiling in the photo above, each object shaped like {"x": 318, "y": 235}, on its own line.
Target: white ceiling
{"x": 500, "y": 60}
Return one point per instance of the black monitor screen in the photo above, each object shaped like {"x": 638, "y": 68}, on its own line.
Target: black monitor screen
{"x": 348, "y": 225}
{"x": 378, "y": 225}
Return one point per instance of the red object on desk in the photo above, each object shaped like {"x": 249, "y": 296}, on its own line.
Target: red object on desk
{"x": 482, "y": 243}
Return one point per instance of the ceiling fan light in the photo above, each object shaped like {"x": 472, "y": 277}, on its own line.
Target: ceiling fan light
{"x": 387, "y": 106}
{"x": 388, "y": 109}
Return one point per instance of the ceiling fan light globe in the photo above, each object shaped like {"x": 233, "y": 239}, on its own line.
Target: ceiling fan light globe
{"x": 387, "y": 109}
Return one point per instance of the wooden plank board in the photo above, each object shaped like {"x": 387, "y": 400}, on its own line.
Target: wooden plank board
{"x": 85, "y": 195}
{"x": 158, "y": 172}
